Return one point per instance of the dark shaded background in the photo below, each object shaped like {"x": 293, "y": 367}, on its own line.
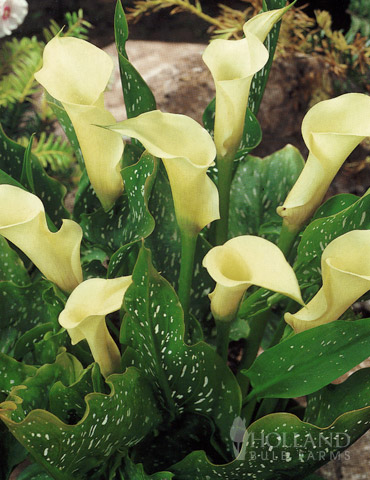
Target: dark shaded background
{"x": 157, "y": 26}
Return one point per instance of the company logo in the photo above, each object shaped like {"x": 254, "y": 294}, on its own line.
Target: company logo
{"x": 286, "y": 446}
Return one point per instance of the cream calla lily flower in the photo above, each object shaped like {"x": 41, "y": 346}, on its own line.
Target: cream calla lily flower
{"x": 242, "y": 262}
{"x": 187, "y": 150}
{"x": 23, "y": 222}
{"x": 331, "y": 130}
{"x": 232, "y": 64}
{"x": 76, "y": 73}
{"x": 261, "y": 24}
{"x": 84, "y": 318}
{"x": 345, "y": 265}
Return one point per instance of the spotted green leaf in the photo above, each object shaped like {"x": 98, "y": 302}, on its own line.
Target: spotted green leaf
{"x": 279, "y": 447}
{"x": 111, "y": 424}
{"x": 66, "y": 124}
{"x": 187, "y": 378}
{"x": 67, "y": 402}
{"x": 165, "y": 245}
{"x": 22, "y": 308}
{"x": 330, "y": 350}
{"x": 324, "y": 406}
{"x": 137, "y": 95}
{"x": 259, "y": 81}
{"x": 258, "y": 187}
{"x": 13, "y": 373}
{"x": 334, "y": 205}
{"x": 50, "y": 191}
{"x": 129, "y": 220}
{"x": 11, "y": 266}
{"x": 323, "y": 230}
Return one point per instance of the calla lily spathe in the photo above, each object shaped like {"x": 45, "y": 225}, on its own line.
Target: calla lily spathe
{"x": 261, "y": 24}
{"x": 76, "y": 73}
{"x": 345, "y": 265}
{"x": 23, "y": 222}
{"x": 187, "y": 150}
{"x": 242, "y": 262}
{"x": 232, "y": 64}
{"x": 84, "y": 318}
{"x": 331, "y": 130}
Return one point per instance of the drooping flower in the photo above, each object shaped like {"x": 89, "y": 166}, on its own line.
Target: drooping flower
{"x": 23, "y": 222}
{"x": 76, "y": 73}
{"x": 242, "y": 262}
{"x": 187, "y": 150}
{"x": 331, "y": 130}
{"x": 232, "y": 64}
{"x": 345, "y": 265}
{"x": 12, "y": 14}
{"x": 84, "y": 318}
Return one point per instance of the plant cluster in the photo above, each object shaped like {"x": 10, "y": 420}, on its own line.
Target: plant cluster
{"x": 116, "y": 319}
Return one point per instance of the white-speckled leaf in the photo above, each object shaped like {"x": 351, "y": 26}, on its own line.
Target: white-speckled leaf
{"x": 324, "y": 406}
{"x": 285, "y": 371}
{"x": 129, "y": 220}
{"x": 111, "y": 423}
{"x": 165, "y": 245}
{"x": 136, "y": 93}
{"x": 22, "y": 308}
{"x": 11, "y": 266}
{"x": 280, "y": 447}
{"x": 66, "y": 124}
{"x": 187, "y": 378}
{"x": 259, "y": 81}
{"x": 13, "y": 373}
{"x": 322, "y": 231}
{"x": 258, "y": 187}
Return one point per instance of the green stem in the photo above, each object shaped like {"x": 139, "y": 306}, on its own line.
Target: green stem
{"x": 286, "y": 239}
{"x": 257, "y": 326}
{"x": 279, "y": 332}
{"x": 251, "y": 345}
{"x": 222, "y": 341}
{"x": 225, "y": 174}
{"x": 248, "y": 411}
{"x": 188, "y": 245}
{"x": 268, "y": 405}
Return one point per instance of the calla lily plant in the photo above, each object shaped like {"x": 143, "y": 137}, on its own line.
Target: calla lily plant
{"x": 180, "y": 301}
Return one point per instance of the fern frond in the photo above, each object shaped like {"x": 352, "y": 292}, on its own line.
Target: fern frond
{"x": 75, "y": 26}
{"x": 20, "y": 60}
{"x": 52, "y": 151}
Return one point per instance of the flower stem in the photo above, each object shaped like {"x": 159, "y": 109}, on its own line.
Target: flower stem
{"x": 225, "y": 174}
{"x": 286, "y": 239}
{"x": 188, "y": 245}
{"x": 257, "y": 326}
{"x": 222, "y": 341}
